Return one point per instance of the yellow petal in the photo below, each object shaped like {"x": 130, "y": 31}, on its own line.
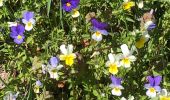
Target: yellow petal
{"x": 139, "y": 44}
{"x": 164, "y": 98}
{"x": 128, "y": 5}
{"x": 62, "y": 57}
{"x": 69, "y": 59}
{"x": 113, "y": 69}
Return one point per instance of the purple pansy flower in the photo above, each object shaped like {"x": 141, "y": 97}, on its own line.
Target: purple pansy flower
{"x": 116, "y": 86}
{"x": 69, "y": 5}
{"x": 99, "y": 25}
{"x": 17, "y": 33}
{"x": 153, "y": 86}
{"x": 28, "y": 20}
{"x": 99, "y": 29}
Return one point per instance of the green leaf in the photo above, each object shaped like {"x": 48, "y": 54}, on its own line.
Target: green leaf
{"x": 48, "y": 7}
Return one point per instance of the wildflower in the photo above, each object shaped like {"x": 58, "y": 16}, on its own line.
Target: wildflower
{"x": 53, "y": 67}
{"x": 148, "y": 21}
{"x": 99, "y": 29}
{"x": 127, "y": 4}
{"x": 12, "y": 24}
{"x": 1, "y": 3}
{"x": 67, "y": 54}
{"x": 75, "y": 13}
{"x": 140, "y": 4}
{"x": 28, "y": 20}
{"x": 149, "y": 25}
{"x": 10, "y": 96}
{"x": 127, "y": 56}
{"x": 145, "y": 37}
{"x": 37, "y": 86}
{"x": 116, "y": 86}
{"x": 69, "y": 5}
{"x": 98, "y": 25}
{"x": 98, "y": 34}
{"x": 164, "y": 95}
{"x": 113, "y": 63}
{"x": 17, "y": 33}
{"x": 153, "y": 85}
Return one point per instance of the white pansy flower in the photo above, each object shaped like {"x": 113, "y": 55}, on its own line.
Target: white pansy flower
{"x": 127, "y": 56}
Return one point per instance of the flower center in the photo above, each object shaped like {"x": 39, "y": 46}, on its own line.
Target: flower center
{"x": 97, "y": 33}
{"x": 116, "y": 89}
{"x": 68, "y": 4}
{"x": 126, "y": 61}
{"x": 29, "y": 24}
{"x": 152, "y": 90}
{"x": 113, "y": 68}
{"x": 19, "y": 37}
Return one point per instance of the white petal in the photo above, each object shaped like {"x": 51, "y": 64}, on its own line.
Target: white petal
{"x": 59, "y": 67}
{"x": 70, "y": 48}
{"x": 75, "y": 14}
{"x": 147, "y": 24}
{"x": 24, "y": 21}
{"x": 151, "y": 94}
{"x": 111, "y": 57}
{"x": 53, "y": 75}
{"x": 123, "y": 98}
{"x": 97, "y": 38}
{"x": 63, "y": 49}
{"x": 140, "y": 4}
{"x": 125, "y": 49}
{"x": 12, "y": 24}
{"x": 116, "y": 93}
{"x": 1, "y": 3}
{"x": 28, "y": 27}
{"x": 164, "y": 92}
{"x": 32, "y": 21}
{"x": 108, "y": 63}
{"x": 125, "y": 0}
{"x": 132, "y": 58}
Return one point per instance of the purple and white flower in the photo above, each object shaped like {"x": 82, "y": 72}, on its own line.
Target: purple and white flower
{"x": 28, "y": 20}
{"x": 116, "y": 86}
{"x": 153, "y": 86}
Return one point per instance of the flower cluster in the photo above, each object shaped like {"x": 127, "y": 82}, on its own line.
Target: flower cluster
{"x": 17, "y": 30}
{"x": 122, "y": 60}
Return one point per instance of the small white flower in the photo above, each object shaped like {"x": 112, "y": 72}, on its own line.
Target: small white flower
{"x": 127, "y": 56}
{"x": 75, "y": 13}
{"x": 53, "y": 71}
{"x": 140, "y": 4}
